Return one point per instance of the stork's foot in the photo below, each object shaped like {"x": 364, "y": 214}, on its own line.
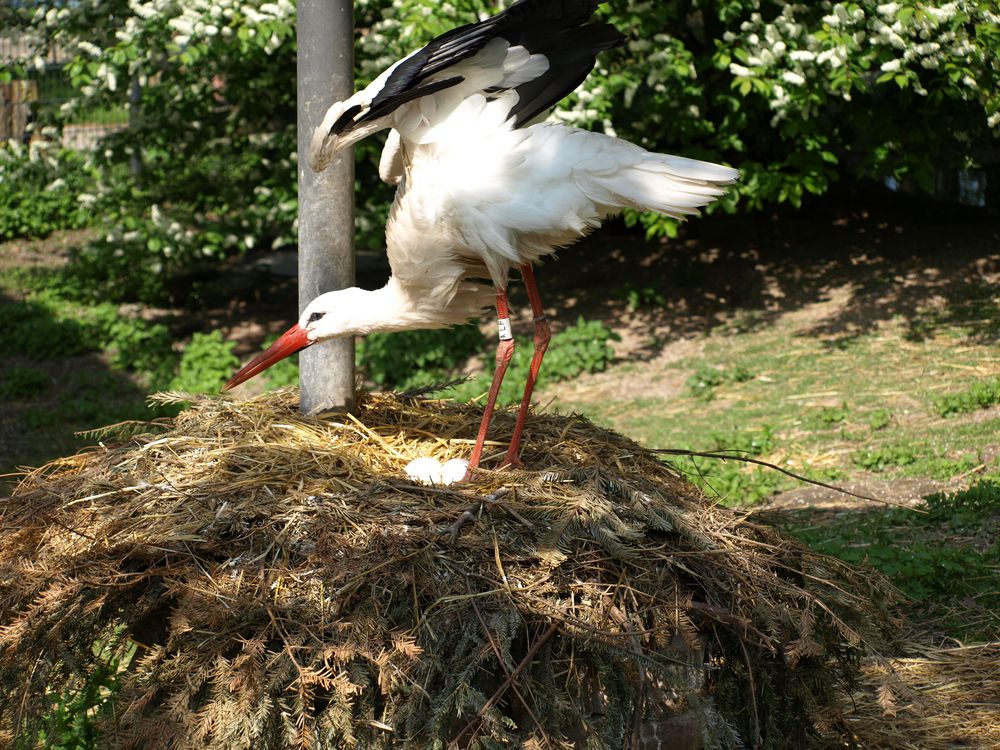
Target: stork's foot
{"x": 511, "y": 461}
{"x": 431, "y": 471}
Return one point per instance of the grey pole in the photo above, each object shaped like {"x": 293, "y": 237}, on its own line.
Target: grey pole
{"x": 325, "y": 30}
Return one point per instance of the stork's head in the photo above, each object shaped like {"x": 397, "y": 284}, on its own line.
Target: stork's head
{"x": 329, "y": 316}
{"x": 345, "y": 124}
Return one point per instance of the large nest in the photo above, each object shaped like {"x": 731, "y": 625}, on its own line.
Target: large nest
{"x": 287, "y": 587}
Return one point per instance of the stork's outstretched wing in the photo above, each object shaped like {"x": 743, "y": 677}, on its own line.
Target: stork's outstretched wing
{"x": 540, "y": 50}
{"x": 556, "y": 29}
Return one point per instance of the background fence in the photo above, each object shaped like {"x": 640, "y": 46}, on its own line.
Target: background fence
{"x": 39, "y": 97}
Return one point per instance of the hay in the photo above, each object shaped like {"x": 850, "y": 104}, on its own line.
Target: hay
{"x": 941, "y": 699}
{"x": 287, "y": 588}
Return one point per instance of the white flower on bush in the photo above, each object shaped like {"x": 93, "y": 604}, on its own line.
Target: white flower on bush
{"x": 790, "y": 76}
{"x": 891, "y": 66}
{"x": 144, "y": 10}
{"x": 944, "y": 13}
{"x": 89, "y": 47}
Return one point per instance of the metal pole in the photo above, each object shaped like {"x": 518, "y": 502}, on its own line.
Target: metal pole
{"x": 134, "y": 102}
{"x": 325, "y": 30}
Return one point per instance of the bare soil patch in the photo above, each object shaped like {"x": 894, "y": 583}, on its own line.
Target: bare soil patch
{"x": 53, "y": 251}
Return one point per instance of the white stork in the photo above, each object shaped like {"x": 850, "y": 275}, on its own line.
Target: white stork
{"x": 480, "y": 188}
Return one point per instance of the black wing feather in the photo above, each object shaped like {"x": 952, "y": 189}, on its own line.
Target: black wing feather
{"x": 572, "y": 55}
{"x": 556, "y": 28}
{"x": 431, "y": 87}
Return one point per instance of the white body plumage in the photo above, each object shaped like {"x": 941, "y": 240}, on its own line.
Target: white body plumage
{"x": 482, "y": 196}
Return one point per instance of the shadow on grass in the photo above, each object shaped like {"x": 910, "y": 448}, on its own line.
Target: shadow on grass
{"x": 878, "y": 256}
{"x": 55, "y": 383}
{"x": 943, "y": 554}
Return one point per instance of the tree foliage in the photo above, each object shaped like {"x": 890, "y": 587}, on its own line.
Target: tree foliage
{"x": 796, "y": 95}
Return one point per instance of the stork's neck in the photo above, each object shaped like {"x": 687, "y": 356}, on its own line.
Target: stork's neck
{"x": 394, "y": 307}
{"x": 358, "y": 312}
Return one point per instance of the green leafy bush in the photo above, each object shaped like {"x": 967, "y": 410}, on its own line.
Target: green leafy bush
{"x": 979, "y": 395}
{"x": 416, "y": 359}
{"x": 413, "y": 359}
{"x": 583, "y": 347}
{"x": 827, "y": 416}
{"x": 639, "y": 297}
{"x": 923, "y": 570}
{"x": 74, "y": 718}
{"x": 880, "y": 419}
{"x": 18, "y": 382}
{"x": 206, "y": 363}
{"x": 141, "y": 348}
{"x": 967, "y": 508}
{"x": 40, "y": 187}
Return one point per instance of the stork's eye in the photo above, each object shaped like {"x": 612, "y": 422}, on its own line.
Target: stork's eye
{"x": 316, "y": 316}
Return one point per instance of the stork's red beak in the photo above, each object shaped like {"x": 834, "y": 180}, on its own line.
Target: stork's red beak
{"x": 293, "y": 340}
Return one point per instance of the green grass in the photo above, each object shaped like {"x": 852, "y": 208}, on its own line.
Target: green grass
{"x": 77, "y": 365}
{"x": 944, "y": 555}
{"x": 866, "y": 407}
{"x": 979, "y": 395}
{"x": 18, "y": 382}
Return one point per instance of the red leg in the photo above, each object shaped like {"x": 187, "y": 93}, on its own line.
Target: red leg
{"x": 505, "y": 351}
{"x": 542, "y": 336}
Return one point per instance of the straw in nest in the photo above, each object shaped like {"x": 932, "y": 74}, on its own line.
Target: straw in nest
{"x": 936, "y": 699}
{"x": 288, "y": 588}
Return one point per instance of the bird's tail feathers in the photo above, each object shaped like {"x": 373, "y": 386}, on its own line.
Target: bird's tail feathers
{"x": 671, "y": 185}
